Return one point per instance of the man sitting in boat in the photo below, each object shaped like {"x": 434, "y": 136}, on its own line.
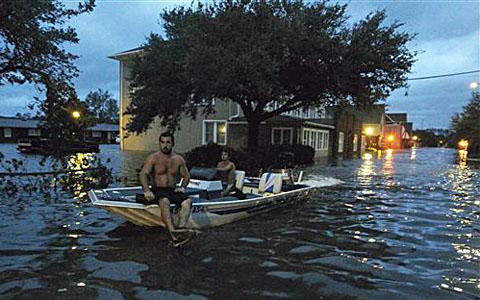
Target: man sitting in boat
{"x": 226, "y": 172}
{"x": 165, "y": 166}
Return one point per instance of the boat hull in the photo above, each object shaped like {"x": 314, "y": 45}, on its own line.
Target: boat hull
{"x": 205, "y": 213}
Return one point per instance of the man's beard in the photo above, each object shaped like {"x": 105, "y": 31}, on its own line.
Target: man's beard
{"x": 166, "y": 150}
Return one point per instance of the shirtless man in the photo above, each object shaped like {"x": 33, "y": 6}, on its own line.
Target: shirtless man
{"x": 165, "y": 165}
{"x": 226, "y": 169}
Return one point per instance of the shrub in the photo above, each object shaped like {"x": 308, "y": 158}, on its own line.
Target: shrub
{"x": 275, "y": 156}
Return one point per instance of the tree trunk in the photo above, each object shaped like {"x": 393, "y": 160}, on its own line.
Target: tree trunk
{"x": 253, "y": 128}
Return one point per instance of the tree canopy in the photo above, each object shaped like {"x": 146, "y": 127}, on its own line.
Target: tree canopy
{"x": 466, "y": 125}
{"x": 31, "y": 36}
{"x": 259, "y": 52}
{"x": 103, "y": 106}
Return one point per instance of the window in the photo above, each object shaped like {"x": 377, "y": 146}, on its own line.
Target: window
{"x": 33, "y": 132}
{"x": 341, "y": 137}
{"x": 234, "y": 110}
{"x": 315, "y": 138}
{"x": 7, "y": 132}
{"x": 215, "y": 132}
{"x": 282, "y": 136}
{"x": 96, "y": 134}
{"x": 355, "y": 142}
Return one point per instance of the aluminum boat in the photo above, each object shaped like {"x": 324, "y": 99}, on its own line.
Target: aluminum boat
{"x": 209, "y": 209}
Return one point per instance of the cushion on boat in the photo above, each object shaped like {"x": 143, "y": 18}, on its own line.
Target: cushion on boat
{"x": 239, "y": 178}
{"x": 270, "y": 183}
{"x": 203, "y": 173}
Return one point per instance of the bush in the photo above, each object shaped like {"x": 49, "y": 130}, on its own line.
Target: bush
{"x": 272, "y": 157}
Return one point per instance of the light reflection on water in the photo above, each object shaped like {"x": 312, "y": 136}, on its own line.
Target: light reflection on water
{"x": 403, "y": 225}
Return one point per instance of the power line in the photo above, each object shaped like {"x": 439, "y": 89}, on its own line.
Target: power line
{"x": 444, "y": 75}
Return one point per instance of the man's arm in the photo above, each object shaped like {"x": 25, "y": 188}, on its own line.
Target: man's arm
{"x": 227, "y": 168}
{"x": 144, "y": 173}
{"x": 184, "y": 173}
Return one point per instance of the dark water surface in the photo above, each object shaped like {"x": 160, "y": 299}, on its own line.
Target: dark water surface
{"x": 403, "y": 225}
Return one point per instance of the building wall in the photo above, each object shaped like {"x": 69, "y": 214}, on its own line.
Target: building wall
{"x": 348, "y": 125}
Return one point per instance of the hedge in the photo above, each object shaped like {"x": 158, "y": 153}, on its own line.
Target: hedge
{"x": 272, "y": 157}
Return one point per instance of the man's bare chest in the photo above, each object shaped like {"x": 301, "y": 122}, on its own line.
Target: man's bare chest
{"x": 166, "y": 166}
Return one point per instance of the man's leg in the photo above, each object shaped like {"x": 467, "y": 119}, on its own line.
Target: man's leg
{"x": 164, "y": 204}
{"x": 184, "y": 212}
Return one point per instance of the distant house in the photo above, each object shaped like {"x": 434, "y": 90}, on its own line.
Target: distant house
{"x": 12, "y": 129}
{"x": 227, "y": 126}
{"x": 295, "y": 127}
{"x": 103, "y": 133}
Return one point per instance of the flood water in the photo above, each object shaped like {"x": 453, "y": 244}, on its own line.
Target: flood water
{"x": 403, "y": 225}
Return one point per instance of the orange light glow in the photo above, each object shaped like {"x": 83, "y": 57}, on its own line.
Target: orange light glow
{"x": 463, "y": 144}
{"x": 463, "y": 154}
{"x": 369, "y": 131}
{"x": 390, "y": 138}
{"x": 415, "y": 138}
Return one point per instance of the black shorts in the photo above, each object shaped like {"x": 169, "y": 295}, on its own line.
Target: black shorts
{"x": 167, "y": 192}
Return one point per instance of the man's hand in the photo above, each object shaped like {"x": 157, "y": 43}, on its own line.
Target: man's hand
{"x": 180, "y": 190}
{"x": 149, "y": 195}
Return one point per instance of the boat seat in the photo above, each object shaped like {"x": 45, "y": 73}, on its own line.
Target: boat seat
{"x": 239, "y": 178}
{"x": 270, "y": 183}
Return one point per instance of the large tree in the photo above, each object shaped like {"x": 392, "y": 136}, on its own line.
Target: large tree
{"x": 257, "y": 52}
{"x": 103, "y": 106}
{"x": 32, "y": 33}
{"x": 466, "y": 125}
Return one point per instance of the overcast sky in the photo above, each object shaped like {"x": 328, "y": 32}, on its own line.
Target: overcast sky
{"x": 447, "y": 36}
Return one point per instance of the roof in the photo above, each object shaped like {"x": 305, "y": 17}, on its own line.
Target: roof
{"x": 123, "y": 54}
{"x": 398, "y": 117}
{"x": 18, "y": 123}
{"x": 6, "y": 122}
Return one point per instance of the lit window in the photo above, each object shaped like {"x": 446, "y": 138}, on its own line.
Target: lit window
{"x": 215, "y": 132}
{"x": 221, "y": 133}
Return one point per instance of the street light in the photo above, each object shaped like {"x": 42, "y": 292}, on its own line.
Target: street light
{"x": 75, "y": 114}
{"x": 474, "y": 85}
{"x": 415, "y": 138}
